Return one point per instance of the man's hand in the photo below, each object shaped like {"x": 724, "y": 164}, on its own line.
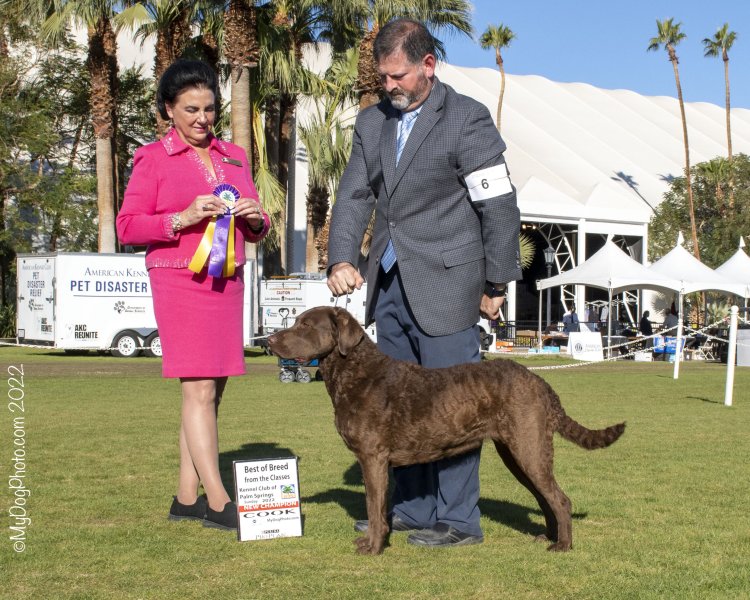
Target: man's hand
{"x": 344, "y": 279}
{"x": 490, "y": 307}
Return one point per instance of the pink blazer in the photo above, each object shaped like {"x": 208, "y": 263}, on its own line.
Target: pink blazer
{"x": 167, "y": 176}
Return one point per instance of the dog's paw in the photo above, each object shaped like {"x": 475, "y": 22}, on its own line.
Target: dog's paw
{"x": 365, "y": 546}
{"x": 560, "y": 547}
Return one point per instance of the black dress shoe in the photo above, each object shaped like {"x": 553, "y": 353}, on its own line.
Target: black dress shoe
{"x": 226, "y": 519}
{"x": 443, "y": 536}
{"x": 181, "y": 512}
{"x": 396, "y": 524}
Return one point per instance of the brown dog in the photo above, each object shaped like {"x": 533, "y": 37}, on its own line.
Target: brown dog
{"x": 398, "y": 413}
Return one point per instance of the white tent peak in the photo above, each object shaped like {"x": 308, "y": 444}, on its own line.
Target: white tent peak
{"x": 742, "y": 242}
{"x": 680, "y": 239}
{"x": 679, "y": 264}
{"x": 610, "y": 268}
{"x": 737, "y": 268}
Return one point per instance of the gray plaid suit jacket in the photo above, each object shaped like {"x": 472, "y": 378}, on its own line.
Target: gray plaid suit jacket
{"x": 446, "y": 245}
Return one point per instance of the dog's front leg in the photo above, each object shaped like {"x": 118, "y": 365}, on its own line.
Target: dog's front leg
{"x": 375, "y": 473}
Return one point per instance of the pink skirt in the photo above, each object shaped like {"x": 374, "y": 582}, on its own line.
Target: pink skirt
{"x": 200, "y": 322}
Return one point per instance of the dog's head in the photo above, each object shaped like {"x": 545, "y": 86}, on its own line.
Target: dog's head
{"x": 316, "y": 333}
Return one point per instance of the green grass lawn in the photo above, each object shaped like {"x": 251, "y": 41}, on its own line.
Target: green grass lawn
{"x": 661, "y": 514}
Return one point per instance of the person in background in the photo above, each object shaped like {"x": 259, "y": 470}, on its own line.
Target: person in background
{"x": 645, "y": 328}
{"x": 671, "y": 321}
{"x": 592, "y": 317}
{"x": 645, "y": 325}
{"x": 430, "y": 162}
{"x": 170, "y": 200}
{"x": 603, "y": 318}
{"x": 570, "y": 321}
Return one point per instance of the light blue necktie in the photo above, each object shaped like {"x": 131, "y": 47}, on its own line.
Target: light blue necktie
{"x": 404, "y": 129}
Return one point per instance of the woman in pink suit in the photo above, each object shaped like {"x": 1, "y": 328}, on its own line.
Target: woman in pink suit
{"x": 169, "y": 202}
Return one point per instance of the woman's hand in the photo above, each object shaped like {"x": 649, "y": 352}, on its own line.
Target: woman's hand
{"x": 250, "y": 210}
{"x": 202, "y": 207}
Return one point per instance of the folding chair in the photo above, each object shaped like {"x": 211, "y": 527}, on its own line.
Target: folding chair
{"x": 706, "y": 350}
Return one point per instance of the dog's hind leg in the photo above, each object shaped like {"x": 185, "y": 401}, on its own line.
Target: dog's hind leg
{"x": 375, "y": 474}
{"x": 535, "y": 462}
{"x": 549, "y": 515}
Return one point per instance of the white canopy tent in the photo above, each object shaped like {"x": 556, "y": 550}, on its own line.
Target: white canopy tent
{"x": 612, "y": 270}
{"x": 694, "y": 276}
{"x": 737, "y": 269}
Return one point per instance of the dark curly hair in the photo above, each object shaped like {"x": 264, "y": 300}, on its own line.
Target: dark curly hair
{"x": 181, "y": 75}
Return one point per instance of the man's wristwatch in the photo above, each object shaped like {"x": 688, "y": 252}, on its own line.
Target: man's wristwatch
{"x": 495, "y": 290}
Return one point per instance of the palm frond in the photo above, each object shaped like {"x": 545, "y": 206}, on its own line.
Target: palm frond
{"x": 271, "y": 193}
{"x": 527, "y": 250}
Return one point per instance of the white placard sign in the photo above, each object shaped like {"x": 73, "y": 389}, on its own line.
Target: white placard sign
{"x": 268, "y": 499}
{"x": 585, "y": 345}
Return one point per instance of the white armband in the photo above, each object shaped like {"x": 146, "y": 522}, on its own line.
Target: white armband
{"x": 488, "y": 183}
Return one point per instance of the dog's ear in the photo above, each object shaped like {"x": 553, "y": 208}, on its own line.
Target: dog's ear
{"x": 350, "y": 332}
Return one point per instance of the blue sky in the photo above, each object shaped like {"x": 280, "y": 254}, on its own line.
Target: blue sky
{"x": 603, "y": 42}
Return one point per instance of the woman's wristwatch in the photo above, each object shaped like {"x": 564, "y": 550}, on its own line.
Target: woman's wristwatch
{"x": 495, "y": 290}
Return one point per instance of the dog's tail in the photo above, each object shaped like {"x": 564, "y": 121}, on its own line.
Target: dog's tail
{"x": 590, "y": 439}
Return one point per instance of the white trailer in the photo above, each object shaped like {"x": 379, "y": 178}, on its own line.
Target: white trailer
{"x": 86, "y": 301}
{"x": 282, "y": 300}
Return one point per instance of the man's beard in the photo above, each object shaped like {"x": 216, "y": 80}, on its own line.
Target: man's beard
{"x": 401, "y": 100}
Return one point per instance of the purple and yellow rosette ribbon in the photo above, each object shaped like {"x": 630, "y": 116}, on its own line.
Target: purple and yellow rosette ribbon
{"x": 217, "y": 244}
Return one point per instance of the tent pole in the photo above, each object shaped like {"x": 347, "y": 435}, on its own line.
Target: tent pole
{"x": 678, "y": 345}
{"x": 731, "y": 355}
{"x": 540, "y": 320}
{"x": 609, "y": 325}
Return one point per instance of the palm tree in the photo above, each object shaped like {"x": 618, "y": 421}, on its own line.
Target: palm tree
{"x": 271, "y": 194}
{"x": 720, "y": 45}
{"x": 716, "y": 172}
{"x": 283, "y": 32}
{"x": 208, "y": 43}
{"x": 241, "y": 51}
{"x": 498, "y": 37}
{"x": 669, "y": 35}
{"x": 171, "y": 21}
{"x": 327, "y": 142}
{"x": 368, "y": 16}
{"x": 97, "y": 16}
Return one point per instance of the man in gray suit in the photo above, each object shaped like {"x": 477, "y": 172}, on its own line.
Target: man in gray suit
{"x": 430, "y": 163}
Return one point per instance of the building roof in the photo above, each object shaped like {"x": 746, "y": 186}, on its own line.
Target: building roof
{"x": 580, "y": 152}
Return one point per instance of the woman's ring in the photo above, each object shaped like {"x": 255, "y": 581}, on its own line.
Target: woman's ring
{"x": 205, "y": 207}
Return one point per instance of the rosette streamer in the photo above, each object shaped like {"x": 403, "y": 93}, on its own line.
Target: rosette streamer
{"x": 217, "y": 244}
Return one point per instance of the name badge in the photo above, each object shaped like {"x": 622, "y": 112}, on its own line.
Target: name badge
{"x": 488, "y": 183}
{"x": 231, "y": 161}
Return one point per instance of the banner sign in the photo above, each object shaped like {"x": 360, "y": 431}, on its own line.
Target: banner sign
{"x": 667, "y": 344}
{"x": 268, "y": 499}
{"x": 585, "y": 345}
